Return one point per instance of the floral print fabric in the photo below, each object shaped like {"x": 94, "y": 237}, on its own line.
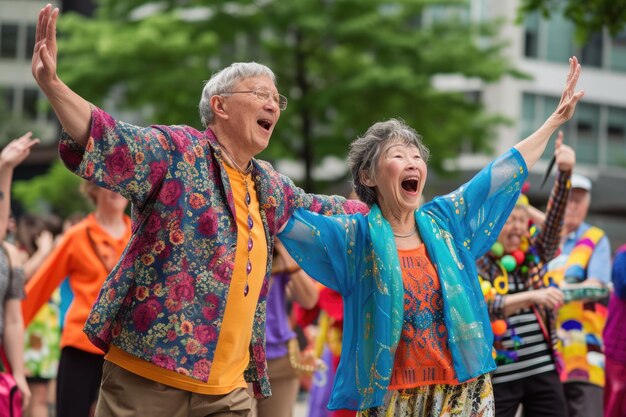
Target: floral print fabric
{"x": 169, "y": 290}
{"x": 422, "y": 356}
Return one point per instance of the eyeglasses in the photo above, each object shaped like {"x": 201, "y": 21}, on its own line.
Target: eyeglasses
{"x": 264, "y": 95}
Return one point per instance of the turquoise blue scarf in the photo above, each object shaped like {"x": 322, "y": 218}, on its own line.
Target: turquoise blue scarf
{"x": 468, "y": 342}
{"x": 387, "y": 272}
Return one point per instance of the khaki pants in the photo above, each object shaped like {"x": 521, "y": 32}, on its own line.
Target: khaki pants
{"x": 285, "y": 384}
{"x": 125, "y": 394}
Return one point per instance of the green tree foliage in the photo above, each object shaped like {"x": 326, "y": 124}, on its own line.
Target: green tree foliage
{"x": 589, "y": 16}
{"x": 57, "y": 191}
{"x": 12, "y": 126}
{"x": 343, "y": 64}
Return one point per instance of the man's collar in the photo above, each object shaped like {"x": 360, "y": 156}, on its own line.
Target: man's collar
{"x": 576, "y": 233}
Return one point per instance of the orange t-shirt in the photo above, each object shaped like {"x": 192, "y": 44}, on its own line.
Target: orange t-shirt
{"x": 232, "y": 353}
{"x": 74, "y": 257}
{"x": 422, "y": 356}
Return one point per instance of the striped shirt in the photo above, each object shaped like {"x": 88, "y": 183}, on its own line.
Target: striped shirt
{"x": 526, "y": 350}
{"x": 533, "y": 352}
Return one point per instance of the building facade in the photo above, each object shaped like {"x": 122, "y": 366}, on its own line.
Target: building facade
{"x": 539, "y": 47}
{"x": 19, "y": 92}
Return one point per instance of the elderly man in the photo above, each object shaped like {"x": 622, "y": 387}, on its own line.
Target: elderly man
{"x": 582, "y": 270}
{"x": 182, "y": 315}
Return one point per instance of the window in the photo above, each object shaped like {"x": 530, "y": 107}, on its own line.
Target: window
{"x": 560, "y": 37}
{"x": 8, "y": 40}
{"x": 554, "y": 40}
{"x": 597, "y": 133}
{"x": 531, "y": 35}
{"x": 30, "y": 41}
{"x": 8, "y": 96}
{"x": 587, "y": 120}
{"x": 529, "y": 105}
{"x": 616, "y": 137}
{"x": 618, "y": 52}
{"x": 591, "y": 53}
{"x": 29, "y": 104}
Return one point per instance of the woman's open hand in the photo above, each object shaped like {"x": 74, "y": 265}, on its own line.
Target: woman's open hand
{"x": 569, "y": 98}
{"x": 17, "y": 150}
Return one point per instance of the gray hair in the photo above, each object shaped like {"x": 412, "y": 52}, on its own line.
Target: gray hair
{"x": 365, "y": 152}
{"x": 224, "y": 81}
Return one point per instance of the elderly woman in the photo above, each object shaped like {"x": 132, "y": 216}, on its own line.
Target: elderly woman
{"x": 417, "y": 339}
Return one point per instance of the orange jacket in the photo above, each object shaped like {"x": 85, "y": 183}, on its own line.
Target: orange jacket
{"x": 75, "y": 257}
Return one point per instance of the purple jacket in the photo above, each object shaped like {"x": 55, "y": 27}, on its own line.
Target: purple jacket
{"x": 614, "y": 334}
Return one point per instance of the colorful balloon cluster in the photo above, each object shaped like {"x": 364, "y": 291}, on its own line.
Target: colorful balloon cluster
{"x": 507, "y": 262}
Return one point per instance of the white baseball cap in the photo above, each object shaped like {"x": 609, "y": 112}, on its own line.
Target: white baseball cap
{"x": 579, "y": 181}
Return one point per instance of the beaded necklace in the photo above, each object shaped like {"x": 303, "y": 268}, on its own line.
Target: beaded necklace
{"x": 244, "y": 177}
{"x": 414, "y": 232}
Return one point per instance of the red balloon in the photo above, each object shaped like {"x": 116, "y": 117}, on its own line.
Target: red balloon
{"x": 519, "y": 256}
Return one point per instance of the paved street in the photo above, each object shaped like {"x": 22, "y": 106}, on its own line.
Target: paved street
{"x": 302, "y": 408}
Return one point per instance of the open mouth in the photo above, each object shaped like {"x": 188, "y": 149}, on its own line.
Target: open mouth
{"x": 514, "y": 240}
{"x": 410, "y": 185}
{"x": 265, "y": 124}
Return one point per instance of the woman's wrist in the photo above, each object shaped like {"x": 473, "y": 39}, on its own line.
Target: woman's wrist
{"x": 18, "y": 375}
{"x": 553, "y": 122}
{"x": 5, "y": 167}
{"x": 286, "y": 270}
{"x": 293, "y": 270}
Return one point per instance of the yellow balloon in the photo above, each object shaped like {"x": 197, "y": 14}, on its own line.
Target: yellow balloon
{"x": 485, "y": 286}
{"x": 524, "y": 245}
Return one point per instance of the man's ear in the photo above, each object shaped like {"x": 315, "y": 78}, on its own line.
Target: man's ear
{"x": 218, "y": 105}
{"x": 365, "y": 178}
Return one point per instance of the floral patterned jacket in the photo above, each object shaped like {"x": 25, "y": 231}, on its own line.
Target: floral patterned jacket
{"x": 169, "y": 289}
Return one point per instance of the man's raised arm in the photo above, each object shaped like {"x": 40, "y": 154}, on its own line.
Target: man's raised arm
{"x": 73, "y": 111}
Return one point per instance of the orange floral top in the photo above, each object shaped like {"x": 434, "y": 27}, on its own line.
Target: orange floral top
{"x": 422, "y": 356}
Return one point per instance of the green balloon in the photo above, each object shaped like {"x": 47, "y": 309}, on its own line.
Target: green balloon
{"x": 497, "y": 249}
{"x": 508, "y": 262}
